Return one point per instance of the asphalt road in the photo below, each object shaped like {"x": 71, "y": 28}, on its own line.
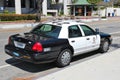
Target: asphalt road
{"x": 11, "y": 68}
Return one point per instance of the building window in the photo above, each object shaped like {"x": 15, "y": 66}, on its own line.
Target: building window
{"x": 23, "y": 3}
{"x": 32, "y": 2}
{"x": 9, "y": 3}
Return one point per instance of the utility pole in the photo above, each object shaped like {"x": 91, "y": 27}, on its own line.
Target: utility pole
{"x": 39, "y": 10}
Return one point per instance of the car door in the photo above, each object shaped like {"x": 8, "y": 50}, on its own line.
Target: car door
{"x": 92, "y": 39}
{"x": 76, "y": 39}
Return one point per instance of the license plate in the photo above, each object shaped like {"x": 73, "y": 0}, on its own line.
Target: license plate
{"x": 19, "y": 44}
{"x": 16, "y": 54}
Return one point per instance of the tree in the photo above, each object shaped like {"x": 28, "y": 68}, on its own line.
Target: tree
{"x": 39, "y": 10}
{"x": 117, "y": 2}
{"x": 114, "y": 3}
{"x": 73, "y": 1}
{"x": 94, "y": 1}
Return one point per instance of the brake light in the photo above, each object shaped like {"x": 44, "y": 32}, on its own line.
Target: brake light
{"x": 37, "y": 47}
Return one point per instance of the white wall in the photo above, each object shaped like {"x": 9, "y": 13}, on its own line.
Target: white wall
{"x": 102, "y": 12}
{"x": 110, "y": 10}
{"x": 118, "y": 11}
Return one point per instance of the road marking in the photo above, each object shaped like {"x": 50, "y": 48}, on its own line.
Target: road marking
{"x": 115, "y": 32}
{"x": 116, "y": 38}
{"x": 4, "y": 66}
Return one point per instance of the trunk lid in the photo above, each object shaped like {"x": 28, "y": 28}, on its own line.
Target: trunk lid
{"x": 27, "y": 40}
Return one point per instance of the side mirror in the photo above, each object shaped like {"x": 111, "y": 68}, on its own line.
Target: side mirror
{"x": 97, "y": 30}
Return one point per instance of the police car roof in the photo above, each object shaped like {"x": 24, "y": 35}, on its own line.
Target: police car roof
{"x": 65, "y": 22}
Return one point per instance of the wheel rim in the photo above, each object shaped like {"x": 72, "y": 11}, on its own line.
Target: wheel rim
{"x": 65, "y": 58}
{"x": 106, "y": 46}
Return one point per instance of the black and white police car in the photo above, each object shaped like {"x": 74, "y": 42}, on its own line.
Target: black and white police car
{"x": 57, "y": 41}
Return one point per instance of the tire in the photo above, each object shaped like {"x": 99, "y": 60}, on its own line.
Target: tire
{"x": 104, "y": 47}
{"x": 64, "y": 58}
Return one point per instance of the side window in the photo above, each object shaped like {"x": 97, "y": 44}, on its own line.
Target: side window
{"x": 74, "y": 31}
{"x": 87, "y": 30}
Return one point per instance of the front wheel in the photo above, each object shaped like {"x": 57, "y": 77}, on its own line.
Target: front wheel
{"x": 64, "y": 58}
{"x": 104, "y": 47}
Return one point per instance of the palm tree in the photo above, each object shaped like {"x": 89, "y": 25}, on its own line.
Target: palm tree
{"x": 39, "y": 10}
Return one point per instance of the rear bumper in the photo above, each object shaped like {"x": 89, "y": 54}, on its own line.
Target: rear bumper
{"x": 30, "y": 56}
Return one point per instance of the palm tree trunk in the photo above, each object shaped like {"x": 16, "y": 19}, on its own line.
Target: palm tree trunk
{"x": 39, "y": 10}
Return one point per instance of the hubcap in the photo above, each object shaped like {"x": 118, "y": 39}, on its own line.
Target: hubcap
{"x": 106, "y": 46}
{"x": 65, "y": 59}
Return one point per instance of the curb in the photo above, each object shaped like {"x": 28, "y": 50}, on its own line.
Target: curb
{"x": 13, "y": 26}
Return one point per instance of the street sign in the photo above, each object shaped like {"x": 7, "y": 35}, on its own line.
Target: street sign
{"x": 1, "y": 8}
{"x": 106, "y": 0}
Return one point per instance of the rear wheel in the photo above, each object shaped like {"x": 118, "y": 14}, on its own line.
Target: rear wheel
{"x": 64, "y": 58}
{"x": 104, "y": 47}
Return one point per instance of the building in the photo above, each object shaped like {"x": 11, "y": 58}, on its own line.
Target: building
{"x": 81, "y": 8}
{"x": 18, "y": 6}
{"x": 29, "y": 6}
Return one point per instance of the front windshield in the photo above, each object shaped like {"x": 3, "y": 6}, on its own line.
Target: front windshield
{"x": 48, "y": 30}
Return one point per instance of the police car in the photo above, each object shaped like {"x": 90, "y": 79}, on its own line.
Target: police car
{"x": 57, "y": 41}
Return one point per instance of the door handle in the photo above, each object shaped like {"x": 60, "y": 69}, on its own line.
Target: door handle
{"x": 73, "y": 41}
{"x": 88, "y": 38}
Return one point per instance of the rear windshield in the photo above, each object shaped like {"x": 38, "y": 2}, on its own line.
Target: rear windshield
{"x": 48, "y": 30}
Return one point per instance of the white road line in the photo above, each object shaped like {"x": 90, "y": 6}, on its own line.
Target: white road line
{"x": 116, "y": 38}
{"x": 8, "y": 65}
{"x": 115, "y": 32}
{"x": 5, "y": 66}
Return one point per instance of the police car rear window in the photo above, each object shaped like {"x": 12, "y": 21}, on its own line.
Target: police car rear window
{"x": 47, "y": 29}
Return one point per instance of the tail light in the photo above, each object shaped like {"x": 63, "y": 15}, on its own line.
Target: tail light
{"x": 37, "y": 47}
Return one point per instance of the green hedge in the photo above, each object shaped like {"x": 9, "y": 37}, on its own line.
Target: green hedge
{"x": 14, "y": 17}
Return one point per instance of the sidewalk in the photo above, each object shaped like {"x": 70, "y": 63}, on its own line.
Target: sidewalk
{"x": 32, "y": 24}
{"x": 104, "y": 67}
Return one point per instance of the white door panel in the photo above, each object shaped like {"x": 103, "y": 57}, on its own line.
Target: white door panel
{"x": 76, "y": 39}
{"x": 93, "y": 42}
{"x": 78, "y": 44}
{"x": 92, "y": 39}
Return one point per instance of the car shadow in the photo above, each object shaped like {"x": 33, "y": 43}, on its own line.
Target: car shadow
{"x": 30, "y": 67}
{"x": 34, "y": 68}
{"x": 115, "y": 45}
{"x": 83, "y": 56}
